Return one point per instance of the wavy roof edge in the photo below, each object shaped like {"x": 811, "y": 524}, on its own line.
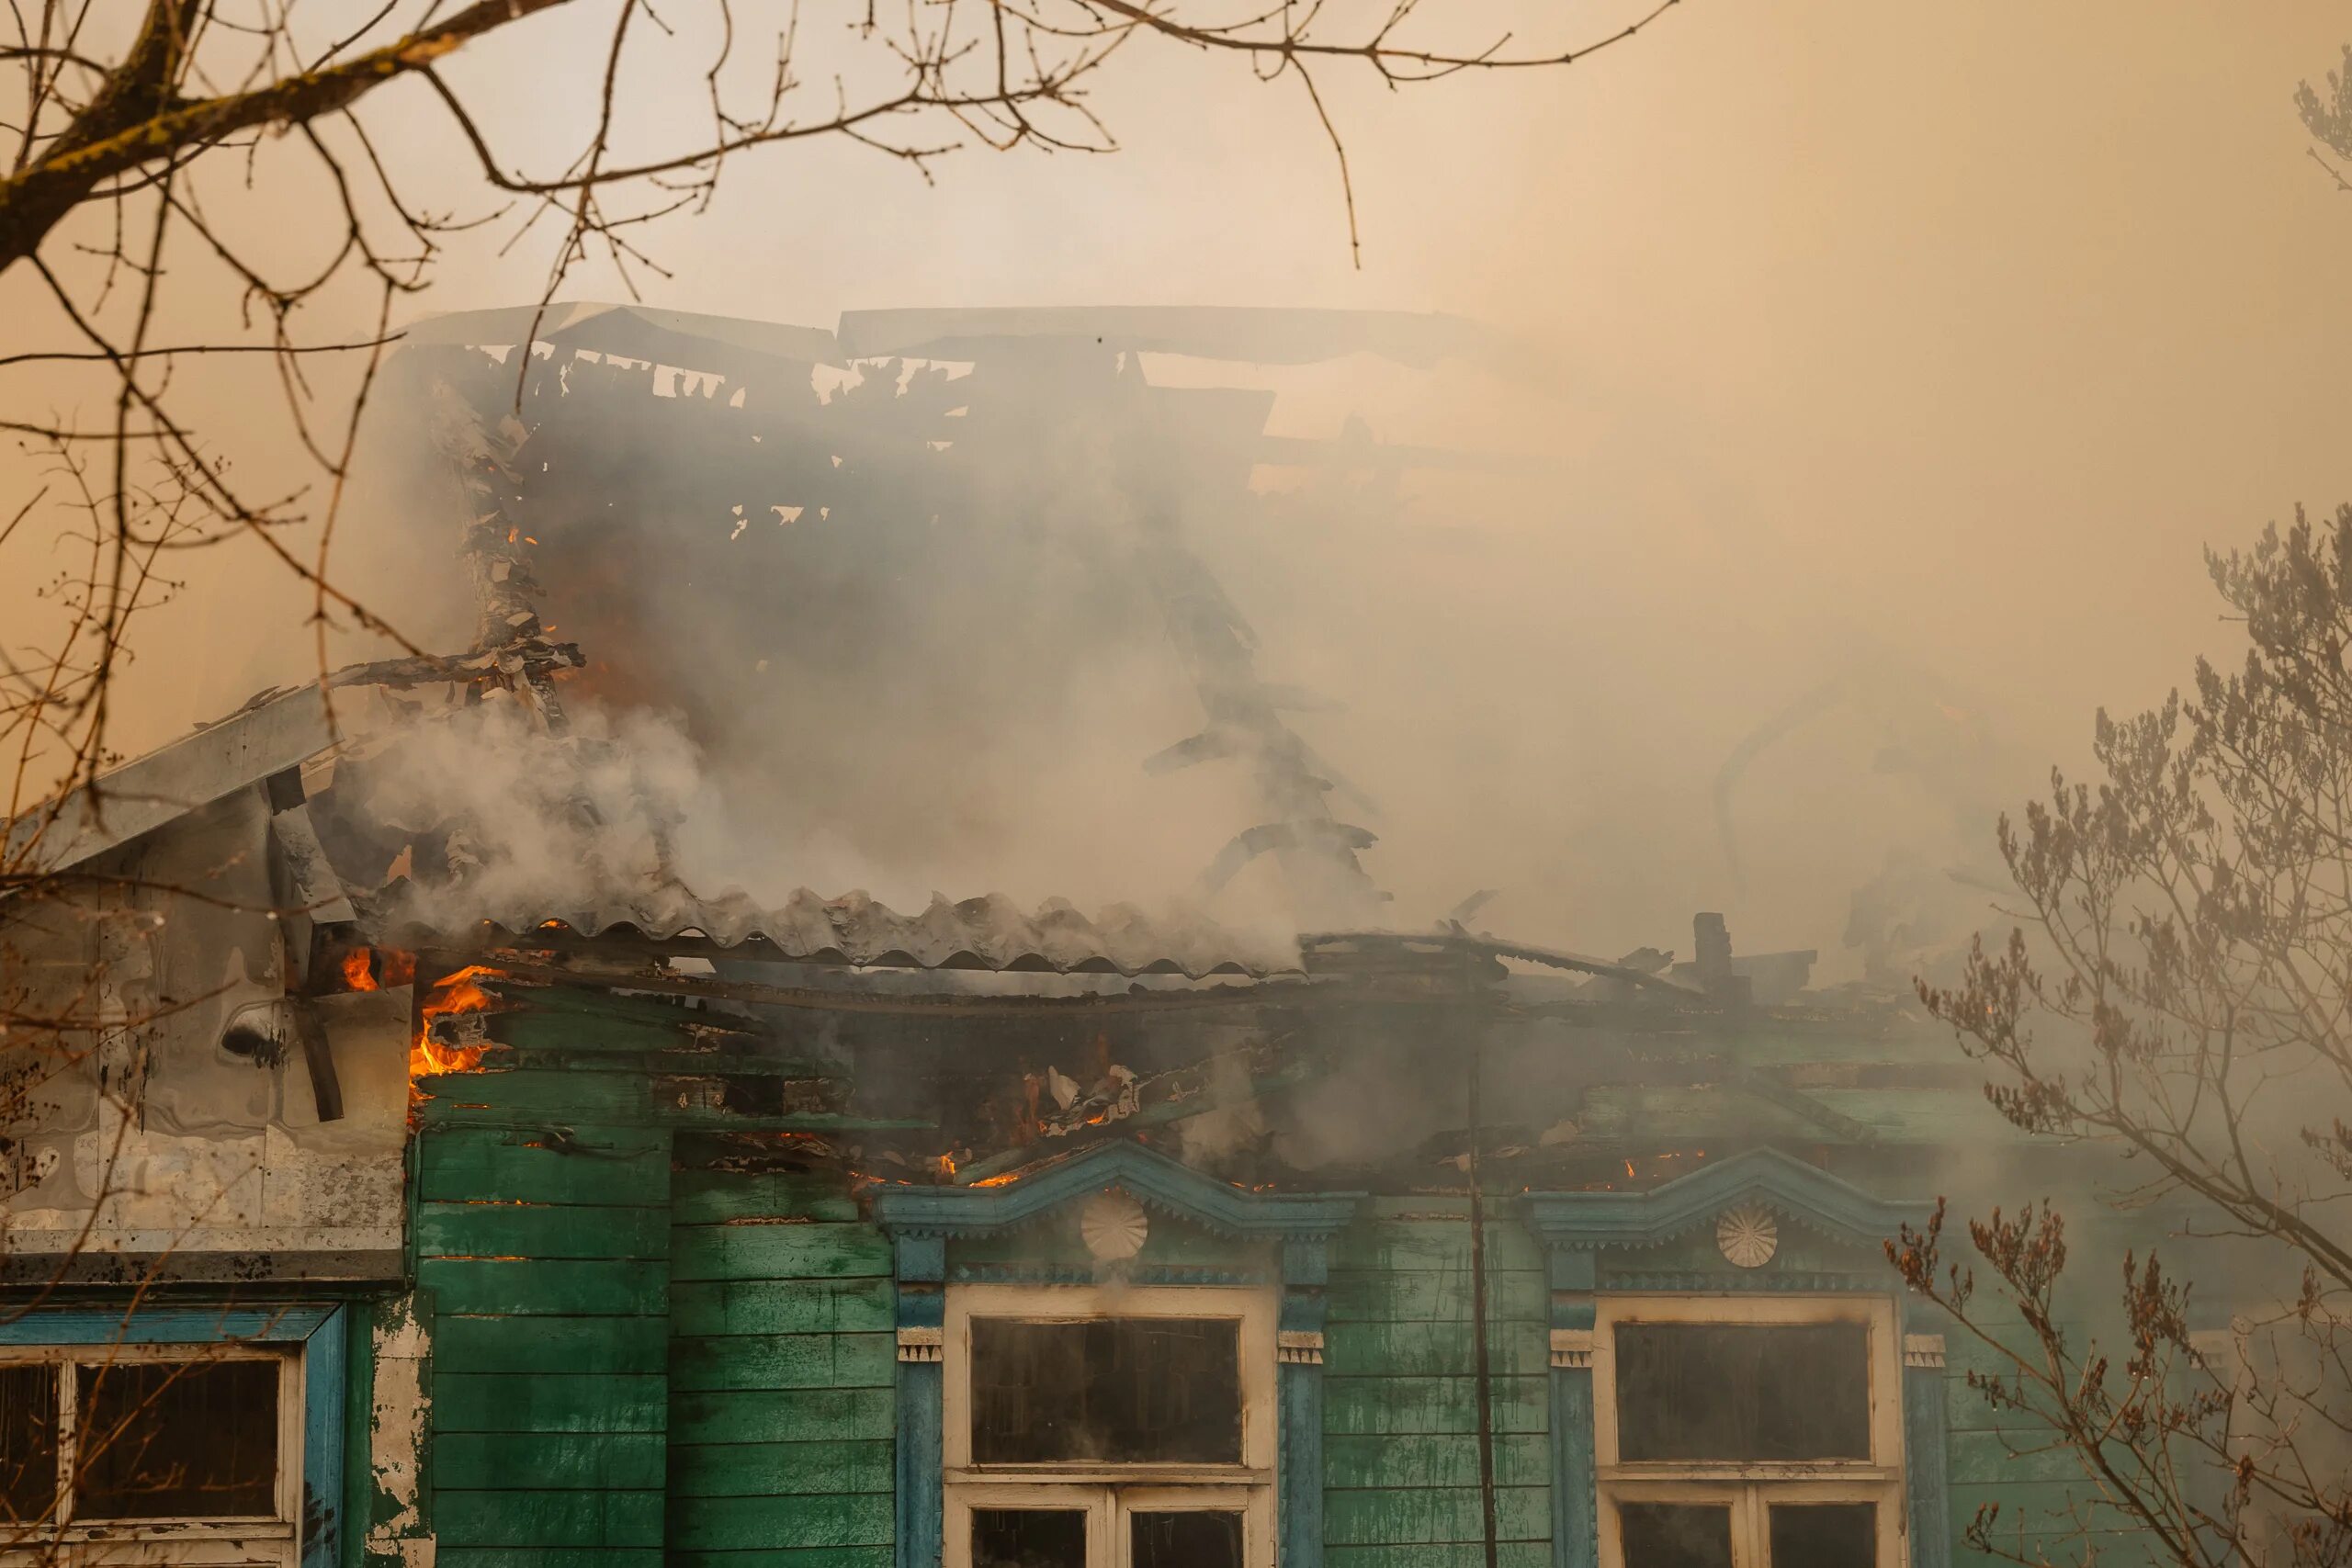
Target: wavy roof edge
{"x": 988, "y": 933}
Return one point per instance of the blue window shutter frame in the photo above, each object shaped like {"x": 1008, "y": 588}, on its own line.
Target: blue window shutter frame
{"x": 318, "y": 1327}
{"x": 1576, "y": 1531}
{"x": 921, "y": 1220}
{"x": 919, "y": 1261}
{"x": 158, "y": 1325}
{"x": 1298, "y": 1474}
{"x": 1927, "y": 1452}
{"x": 325, "y": 1377}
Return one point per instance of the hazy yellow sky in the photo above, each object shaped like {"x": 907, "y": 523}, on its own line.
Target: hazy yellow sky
{"x": 1879, "y": 337}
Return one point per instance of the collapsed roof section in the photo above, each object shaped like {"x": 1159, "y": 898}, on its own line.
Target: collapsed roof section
{"x": 1004, "y": 500}
{"x": 505, "y": 465}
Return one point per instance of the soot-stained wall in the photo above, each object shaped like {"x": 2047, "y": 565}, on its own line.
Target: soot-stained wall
{"x": 648, "y": 1328}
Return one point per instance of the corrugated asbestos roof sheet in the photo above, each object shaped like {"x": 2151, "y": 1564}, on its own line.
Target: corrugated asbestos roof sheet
{"x": 990, "y": 933}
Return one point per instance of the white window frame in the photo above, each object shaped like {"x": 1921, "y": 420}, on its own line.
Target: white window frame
{"x": 257, "y": 1540}
{"x": 1748, "y": 1489}
{"x": 1108, "y": 1493}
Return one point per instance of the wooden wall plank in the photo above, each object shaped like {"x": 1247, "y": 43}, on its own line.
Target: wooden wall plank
{"x": 469, "y": 1401}
{"x": 548, "y": 1557}
{"x": 601, "y": 1166}
{"x": 1435, "y": 1514}
{"x": 741, "y": 1470}
{"x": 786, "y": 1360}
{"x": 557, "y": 1288}
{"x": 492, "y": 1229}
{"x": 784, "y": 1415}
{"x": 546, "y": 1257}
{"x": 1457, "y": 1554}
{"x": 814, "y": 1251}
{"x": 703, "y": 1198}
{"x": 783, "y": 1370}
{"x": 1431, "y": 1350}
{"x": 1402, "y": 1484}
{"x": 703, "y": 1308}
{"x": 1424, "y": 1295}
{"x": 788, "y": 1557}
{"x": 1385, "y": 1405}
{"x": 1434, "y": 1459}
{"x": 719, "y": 1523}
{"x": 499, "y": 1093}
{"x": 2000, "y": 1459}
{"x": 503, "y": 1344}
{"x": 548, "y": 1519}
{"x": 502, "y": 1461}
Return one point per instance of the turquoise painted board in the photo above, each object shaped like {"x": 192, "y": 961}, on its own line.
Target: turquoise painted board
{"x": 1400, "y": 1414}
{"x": 782, "y": 1371}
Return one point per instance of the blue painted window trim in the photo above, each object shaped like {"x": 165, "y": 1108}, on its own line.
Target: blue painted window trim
{"x": 1801, "y": 1193}
{"x": 317, "y": 1328}
{"x": 921, "y": 1220}
{"x": 1927, "y": 1459}
{"x": 1578, "y": 1228}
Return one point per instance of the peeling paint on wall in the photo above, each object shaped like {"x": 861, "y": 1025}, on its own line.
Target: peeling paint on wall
{"x": 399, "y": 1532}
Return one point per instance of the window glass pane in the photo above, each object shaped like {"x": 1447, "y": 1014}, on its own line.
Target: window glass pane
{"x": 1675, "y": 1535}
{"x": 27, "y": 1441}
{"x": 1825, "y": 1535}
{"x": 1186, "y": 1539}
{"x": 1715, "y": 1390}
{"x": 1028, "y": 1538}
{"x": 177, "y": 1440}
{"x": 1119, "y": 1390}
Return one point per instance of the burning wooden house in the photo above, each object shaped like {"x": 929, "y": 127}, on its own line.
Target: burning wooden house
{"x": 374, "y": 1212}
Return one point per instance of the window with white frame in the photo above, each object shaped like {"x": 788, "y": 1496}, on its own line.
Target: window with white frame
{"x": 150, "y": 1454}
{"x": 1748, "y": 1432}
{"x": 1109, "y": 1426}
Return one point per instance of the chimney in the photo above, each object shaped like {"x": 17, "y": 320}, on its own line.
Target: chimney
{"x": 1712, "y": 944}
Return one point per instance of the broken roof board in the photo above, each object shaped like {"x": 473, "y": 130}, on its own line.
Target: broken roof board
{"x": 632, "y": 331}
{"x": 267, "y": 735}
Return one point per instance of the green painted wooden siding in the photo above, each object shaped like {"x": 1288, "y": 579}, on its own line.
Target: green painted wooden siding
{"x": 2047, "y": 1504}
{"x": 1400, "y": 1414}
{"x": 545, "y": 1258}
{"x": 783, "y": 1368}
{"x": 634, "y": 1364}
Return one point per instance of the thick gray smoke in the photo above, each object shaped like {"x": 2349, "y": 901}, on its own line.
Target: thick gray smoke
{"x": 523, "y": 818}
{"x": 1058, "y": 620}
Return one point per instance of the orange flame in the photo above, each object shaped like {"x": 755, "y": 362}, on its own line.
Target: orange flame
{"x": 374, "y": 968}
{"x": 452, "y": 995}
